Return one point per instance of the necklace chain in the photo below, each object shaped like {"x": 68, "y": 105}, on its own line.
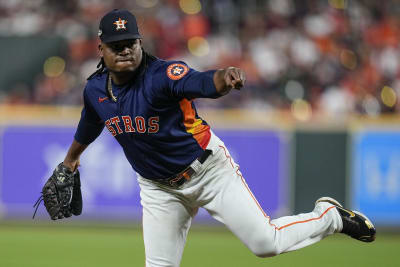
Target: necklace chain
{"x": 109, "y": 88}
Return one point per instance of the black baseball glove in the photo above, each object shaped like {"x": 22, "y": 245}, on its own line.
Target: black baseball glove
{"x": 61, "y": 194}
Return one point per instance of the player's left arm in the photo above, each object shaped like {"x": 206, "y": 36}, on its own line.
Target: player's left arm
{"x": 178, "y": 81}
{"x": 229, "y": 78}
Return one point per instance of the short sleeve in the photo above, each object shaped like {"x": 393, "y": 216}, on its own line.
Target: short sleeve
{"x": 178, "y": 80}
{"x": 90, "y": 125}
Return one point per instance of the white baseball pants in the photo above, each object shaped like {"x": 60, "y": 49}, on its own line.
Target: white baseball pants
{"x": 220, "y": 188}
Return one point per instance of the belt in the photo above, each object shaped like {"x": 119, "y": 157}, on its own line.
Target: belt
{"x": 179, "y": 179}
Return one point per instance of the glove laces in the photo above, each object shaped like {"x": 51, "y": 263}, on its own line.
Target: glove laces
{"x": 37, "y": 204}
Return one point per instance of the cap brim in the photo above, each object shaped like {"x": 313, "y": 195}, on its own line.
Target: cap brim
{"x": 120, "y": 37}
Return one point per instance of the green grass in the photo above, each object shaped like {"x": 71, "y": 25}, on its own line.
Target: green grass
{"x": 92, "y": 245}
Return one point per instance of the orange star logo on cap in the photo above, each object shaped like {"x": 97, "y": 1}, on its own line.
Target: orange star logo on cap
{"x": 120, "y": 24}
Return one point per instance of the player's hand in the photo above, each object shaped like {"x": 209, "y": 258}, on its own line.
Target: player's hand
{"x": 234, "y": 78}
{"x": 229, "y": 78}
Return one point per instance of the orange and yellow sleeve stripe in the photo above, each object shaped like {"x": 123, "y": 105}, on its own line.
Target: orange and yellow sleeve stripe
{"x": 194, "y": 125}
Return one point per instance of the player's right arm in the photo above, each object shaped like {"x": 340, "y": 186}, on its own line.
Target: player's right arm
{"x": 89, "y": 128}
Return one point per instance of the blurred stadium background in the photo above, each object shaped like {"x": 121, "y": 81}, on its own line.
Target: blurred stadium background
{"x": 319, "y": 116}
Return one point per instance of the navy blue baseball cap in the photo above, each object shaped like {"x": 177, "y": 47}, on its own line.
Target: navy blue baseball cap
{"x": 117, "y": 25}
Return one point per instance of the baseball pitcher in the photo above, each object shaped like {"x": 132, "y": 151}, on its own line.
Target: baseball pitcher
{"x": 146, "y": 103}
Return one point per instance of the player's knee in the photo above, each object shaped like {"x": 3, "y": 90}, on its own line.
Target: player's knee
{"x": 264, "y": 247}
{"x": 266, "y": 253}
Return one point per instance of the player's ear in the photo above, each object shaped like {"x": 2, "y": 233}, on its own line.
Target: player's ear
{"x": 101, "y": 49}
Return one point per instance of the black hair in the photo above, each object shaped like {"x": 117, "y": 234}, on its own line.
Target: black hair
{"x": 100, "y": 68}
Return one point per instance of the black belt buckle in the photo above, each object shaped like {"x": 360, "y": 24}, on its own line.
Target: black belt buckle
{"x": 186, "y": 174}
{"x": 182, "y": 177}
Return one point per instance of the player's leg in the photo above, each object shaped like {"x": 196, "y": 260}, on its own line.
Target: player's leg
{"x": 235, "y": 206}
{"x": 166, "y": 222}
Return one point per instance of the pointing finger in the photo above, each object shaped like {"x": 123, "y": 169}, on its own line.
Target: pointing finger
{"x": 237, "y": 84}
{"x": 239, "y": 78}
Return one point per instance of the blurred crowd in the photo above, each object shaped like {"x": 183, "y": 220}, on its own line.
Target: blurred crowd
{"x": 327, "y": 56}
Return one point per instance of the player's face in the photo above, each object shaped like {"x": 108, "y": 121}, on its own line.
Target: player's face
{"x": 122, "y": 56}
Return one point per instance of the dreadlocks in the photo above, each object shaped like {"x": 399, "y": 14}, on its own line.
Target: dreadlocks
{"x": 100, "y": 68}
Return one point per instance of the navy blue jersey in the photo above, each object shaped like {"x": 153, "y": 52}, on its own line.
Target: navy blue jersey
{"x": 154, "y": 118}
